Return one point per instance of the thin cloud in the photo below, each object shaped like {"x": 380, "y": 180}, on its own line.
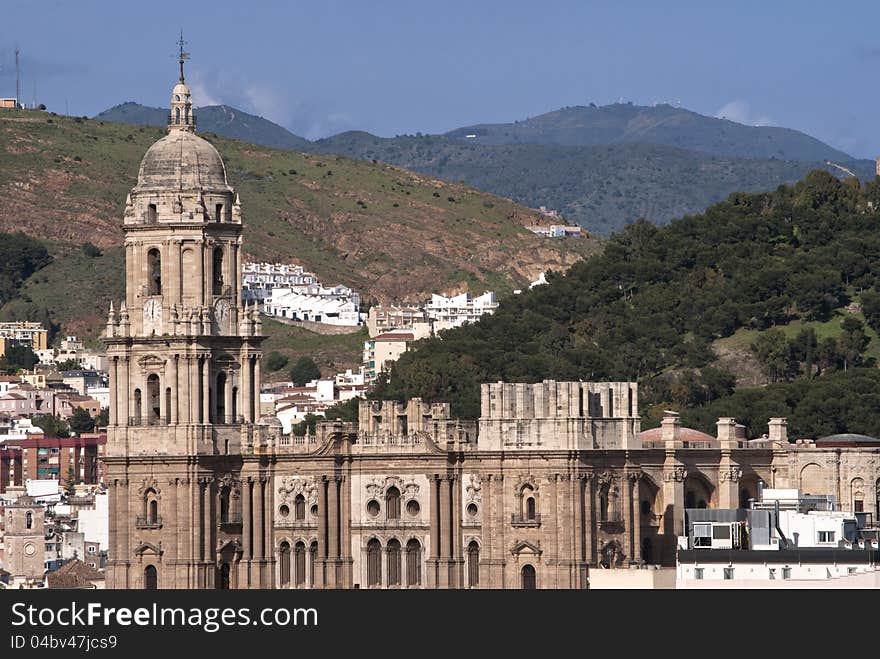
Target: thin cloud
{"x": 201, "y": 94}
{"x": 740, "y": 112}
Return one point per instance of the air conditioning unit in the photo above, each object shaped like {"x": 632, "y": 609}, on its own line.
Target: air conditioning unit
{"x": 717, "y": 535}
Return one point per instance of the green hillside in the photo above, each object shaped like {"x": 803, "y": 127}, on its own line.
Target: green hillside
{"x": 601, "y": 167}
{"x": 651, "y": 306}
{"x": 384, "y": 231}
{"x": 602, "y": 188}
{"x": 625, "y": 123}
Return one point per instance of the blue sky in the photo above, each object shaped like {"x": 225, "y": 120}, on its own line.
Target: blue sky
{"x": 392, "y": 67}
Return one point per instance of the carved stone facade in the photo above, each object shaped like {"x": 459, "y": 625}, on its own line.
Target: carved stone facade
{"x": 554, "y": 479}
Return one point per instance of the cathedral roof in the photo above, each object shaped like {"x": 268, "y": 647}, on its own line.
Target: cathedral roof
{"x": 687, "y": 435}
{"x": 847, "y": 439}
{"x": 182, "y": 161}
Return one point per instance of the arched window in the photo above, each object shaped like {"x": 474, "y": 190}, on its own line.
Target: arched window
{"x": 151, "y": 578}
{"x": 29, "y": 520}
{"x": 285, "y": 564}
{"x": 413, "y": 563}
{"x": 374, "y": 563}
{"x": 299, "y": 507}
{"x": 234, "y": 404}
{"x": 473, "y": 564}
{"x": 218, "y": 271}
{"x": 137, "y": 407}
{"x": 224, "y": 505}
{"x": 690, "y": 501}
{"x": 529, "y": 581}
{"x": 177, "y": 115}
{"x": 168, "y": 405}
{"x": 151, "y": 506}
{"x": 299, "y": 554}
{"x": 393, "y": 552}
{"x": 219, "y": 212}
{"x": 154, "y": 271}
{"x": 221, "y": 397}
{"x": 152, "y": 214}
{"x": 153, "y": 397}
{"x": 527, "y": 505}
{"x": 647, "y": 550}
{"x": 392, "y": 503}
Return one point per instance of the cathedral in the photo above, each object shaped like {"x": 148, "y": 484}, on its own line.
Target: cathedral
{"x": 553, "y": 480}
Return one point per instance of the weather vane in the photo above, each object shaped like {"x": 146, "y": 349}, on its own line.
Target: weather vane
{"x": 183, "y": 55}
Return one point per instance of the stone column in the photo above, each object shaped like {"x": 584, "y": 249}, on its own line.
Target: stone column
{"x": 207, "y": 522}
{"x": 674, "y": 476}
{"x": 227, "y": 399}
{"x": 636, "y": 513}
{"x": 447, "y": 498}
{"x": 333, "y": 530}
{"x": 487, "y": 533}
{"x": 245, "y": 393}
{"x": 628, "y": 518}
{"x": 172, "y": 377}
{"x": 269, "y": 540}
{"x": 589, "y": 518}
{"x": 258, "y": 378}
{"x": 173, "y": 550}
{"x": 193, "y": 368}
{"x": 206, "y": 394}
{"x": 580, "y": 521}
{"x": 200, "y": 253}
{"x": 259, "y": 537}
{"x": 124, "y": 392}
{"x": 183, "y": 521}
{"x": 457, "y": 555}
{"x": 247, "y": 502}
{"x": 345, "y": 531}
{"x": 114, "y": 379}
{"x": 323, "y": 533}
{"x": 433, "y": 575}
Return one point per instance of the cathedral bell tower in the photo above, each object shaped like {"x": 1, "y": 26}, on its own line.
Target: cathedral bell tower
{"x": 184, "y": 360}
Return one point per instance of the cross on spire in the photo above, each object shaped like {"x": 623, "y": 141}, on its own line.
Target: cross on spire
{"x": 183, "y": 55}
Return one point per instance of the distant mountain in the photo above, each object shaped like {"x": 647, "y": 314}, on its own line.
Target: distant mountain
{"x": 600, "y": 167}
{"x": 602, "y": 188}
{"x": 220, "y": 119}
{"x": 624, "y": 123}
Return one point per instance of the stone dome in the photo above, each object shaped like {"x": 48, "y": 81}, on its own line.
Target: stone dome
{"x": 182, "y": 161}
{"x": 180, "y": 92}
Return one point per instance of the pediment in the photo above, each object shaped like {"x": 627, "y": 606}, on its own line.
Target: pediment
{"x": 145, "y": 548}
{"x": 526, "y": 547}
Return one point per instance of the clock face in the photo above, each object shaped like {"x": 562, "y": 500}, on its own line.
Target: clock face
{"x": 152, "y": 312}
{"x": 29, "y": 549}
{"x": 221, "y": 314}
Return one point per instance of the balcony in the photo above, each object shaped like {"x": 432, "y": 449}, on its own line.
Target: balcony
{"x": 520, "y": 520}
{"x": 231, "y": 520}
{"x": 145, "y": 522}
{"x": 611, "y": 520}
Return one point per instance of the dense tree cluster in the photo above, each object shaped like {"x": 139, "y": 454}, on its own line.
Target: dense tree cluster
{"x": 20, "y": 257}
{"x": 651, "y": 304}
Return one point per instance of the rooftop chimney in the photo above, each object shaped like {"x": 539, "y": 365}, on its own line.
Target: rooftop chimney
{"x": 670, "y": 427}
{"x": 727, "y": 431}
{"x": 778, "y": 430}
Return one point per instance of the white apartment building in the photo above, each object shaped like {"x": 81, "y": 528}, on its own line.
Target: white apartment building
{"x": 329, "y": 309}
{"x": 448, "y": 312}
{"x": 258, "y": 279}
